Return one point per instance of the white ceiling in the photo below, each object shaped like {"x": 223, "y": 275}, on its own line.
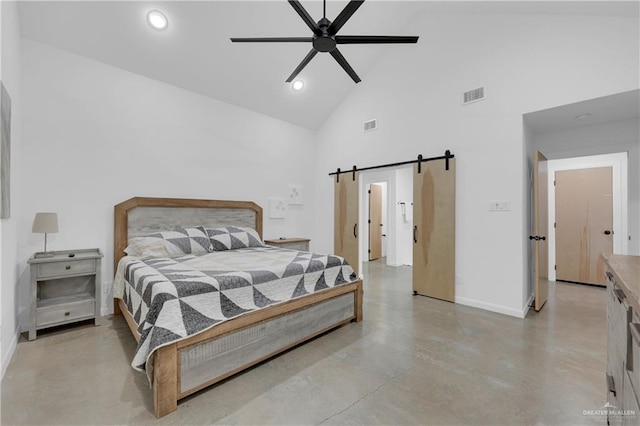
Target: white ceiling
{"x": 621, "y": 106}
{"x": 195, "y": 52}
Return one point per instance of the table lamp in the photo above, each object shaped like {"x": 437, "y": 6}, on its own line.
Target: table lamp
{"x": 45, "y": 223}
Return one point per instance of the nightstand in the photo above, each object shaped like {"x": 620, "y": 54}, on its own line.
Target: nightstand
{"x": 301, "y": 244}
{"x": 65, "y": 289}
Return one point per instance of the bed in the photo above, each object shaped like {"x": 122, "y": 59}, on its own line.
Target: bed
{"x": 210, "y": 352}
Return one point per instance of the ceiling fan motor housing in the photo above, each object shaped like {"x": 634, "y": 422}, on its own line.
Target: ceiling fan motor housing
{"x": 322, "y": 40}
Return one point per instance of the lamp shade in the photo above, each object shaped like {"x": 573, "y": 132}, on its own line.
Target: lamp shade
{"x": 45, "y": 223}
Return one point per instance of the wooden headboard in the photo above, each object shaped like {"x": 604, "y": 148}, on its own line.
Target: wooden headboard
{"x": 140, "y": 216}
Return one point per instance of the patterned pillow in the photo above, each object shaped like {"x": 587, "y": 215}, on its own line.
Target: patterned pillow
{"x": 171, "y": 243}
{"x": 233, "y": 237}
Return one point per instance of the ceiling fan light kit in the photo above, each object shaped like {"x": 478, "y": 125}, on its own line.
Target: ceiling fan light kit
{"x": 325, "y": 38}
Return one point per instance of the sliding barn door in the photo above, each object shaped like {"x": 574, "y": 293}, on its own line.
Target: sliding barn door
{"x": 345, "y": 239}
{"x": 434, "y": 195}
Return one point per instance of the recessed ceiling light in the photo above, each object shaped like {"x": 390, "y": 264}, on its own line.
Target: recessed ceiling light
{"x": 582, "y": 117}
{"x": 297, "y": 85}
{"x": 157, "y": 20}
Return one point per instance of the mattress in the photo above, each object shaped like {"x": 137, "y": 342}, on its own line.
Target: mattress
{"x": 171, "y": 299}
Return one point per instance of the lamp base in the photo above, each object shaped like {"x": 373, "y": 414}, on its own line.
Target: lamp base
{"x": 42, "y": 254}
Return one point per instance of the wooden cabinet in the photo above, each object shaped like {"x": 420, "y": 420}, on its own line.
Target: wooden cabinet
{"x": 65, "y": 288}
{"x": 301, "y": 244}
{"x": 623, "y": 339}
{"x": 631, "y": 396}
{"x": 617, "y": 318}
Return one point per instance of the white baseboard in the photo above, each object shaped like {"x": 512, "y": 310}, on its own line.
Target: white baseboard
{"x": 518, "y": 313}
{"x": 527, "y": 306}
{"x": 6, "y": 357}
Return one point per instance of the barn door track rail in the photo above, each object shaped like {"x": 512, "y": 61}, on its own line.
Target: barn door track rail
{"x": 447, "y": 155}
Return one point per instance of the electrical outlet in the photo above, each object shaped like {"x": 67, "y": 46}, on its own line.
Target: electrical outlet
{"x": 499, "y": 206}
{"x": 458, "y": 279}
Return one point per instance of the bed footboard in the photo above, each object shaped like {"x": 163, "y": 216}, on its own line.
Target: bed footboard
{"x": 189, "y": 365}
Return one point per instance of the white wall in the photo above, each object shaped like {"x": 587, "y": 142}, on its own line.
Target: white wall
{"x": 618, "y": 136}
{"x": 526, "y": 63}
{"x": 11, "y": 77}
{"x": 95, "y": 135}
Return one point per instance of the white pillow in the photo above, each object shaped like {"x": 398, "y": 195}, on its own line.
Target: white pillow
{"x": 170, "y": 243}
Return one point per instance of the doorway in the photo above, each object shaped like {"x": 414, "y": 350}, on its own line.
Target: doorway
{"x": 397, "y": 199}
{"x": 598, "y": 132}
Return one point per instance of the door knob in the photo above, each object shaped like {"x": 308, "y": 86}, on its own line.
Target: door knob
{"x": 607, "y": 232}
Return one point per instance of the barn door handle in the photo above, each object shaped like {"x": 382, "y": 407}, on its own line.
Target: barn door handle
{"x": 355, "y": 230}
{"x": 415, "y": 234}
{"x": 607, "y": 232}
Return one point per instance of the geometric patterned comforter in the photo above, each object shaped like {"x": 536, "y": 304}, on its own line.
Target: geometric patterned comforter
{"x": 174, "y": 298}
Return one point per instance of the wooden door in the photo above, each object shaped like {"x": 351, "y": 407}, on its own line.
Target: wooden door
{"x": 375, "y": 222}
{"x": 540, "y": 229}
{"x": 584, "y": 223}
{"x": 345, "y": 238}
{"x": 434, "y": 229}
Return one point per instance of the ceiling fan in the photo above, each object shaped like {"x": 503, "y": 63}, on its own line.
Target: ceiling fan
{"x": 325, "y": 38}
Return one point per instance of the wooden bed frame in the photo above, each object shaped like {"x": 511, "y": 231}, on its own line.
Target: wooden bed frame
{"x": 139, "y": 216}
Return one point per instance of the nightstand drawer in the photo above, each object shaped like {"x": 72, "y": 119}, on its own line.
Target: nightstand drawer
{"x": 300, "y": 244}
{"x": 71, "y": 267}
{"x": 295, "y": 246}
{"x": 62, "y": 313}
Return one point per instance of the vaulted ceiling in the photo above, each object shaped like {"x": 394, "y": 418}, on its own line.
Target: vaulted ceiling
{"x": 195, "y": 52}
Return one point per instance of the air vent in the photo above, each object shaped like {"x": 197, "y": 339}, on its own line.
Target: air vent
{"x": 474, "y": 95}
{"x": 370, "y": 125}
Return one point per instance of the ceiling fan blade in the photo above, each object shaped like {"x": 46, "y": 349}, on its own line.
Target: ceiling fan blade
{"x": 345, "y": 65}
{"x": 303, "y": 64}
{"x": 271, "y": 39}
{"x": 349, "y": 39}
{"x": 305, "y": 16}
{"x": 344, "y": 16}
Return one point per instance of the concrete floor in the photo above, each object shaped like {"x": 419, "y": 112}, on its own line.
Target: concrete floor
{"x": 413, "y": 360}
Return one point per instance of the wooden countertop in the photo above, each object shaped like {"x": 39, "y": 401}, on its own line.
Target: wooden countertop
{"x": 626, "y": 271}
